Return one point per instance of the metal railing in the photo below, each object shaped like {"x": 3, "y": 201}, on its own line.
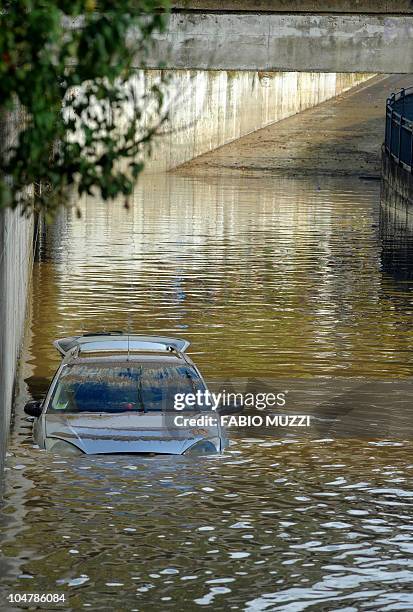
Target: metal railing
{"x": 399, "y": 129}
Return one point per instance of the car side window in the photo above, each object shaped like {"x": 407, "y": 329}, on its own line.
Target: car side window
{"x": 63, "y": 399}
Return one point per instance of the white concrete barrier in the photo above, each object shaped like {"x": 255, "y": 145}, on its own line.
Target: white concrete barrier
{"x": 16, "y": 255}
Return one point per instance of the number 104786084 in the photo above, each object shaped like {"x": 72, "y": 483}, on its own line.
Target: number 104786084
{"x": 36, "y": 598}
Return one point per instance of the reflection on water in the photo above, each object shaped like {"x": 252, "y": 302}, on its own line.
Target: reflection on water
{"x": 396, "y": 226}
{"x": 288, "y": 271}
{"x": 267, "y": 278}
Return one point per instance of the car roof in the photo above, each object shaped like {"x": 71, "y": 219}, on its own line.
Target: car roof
{"x": 118, "y": 342}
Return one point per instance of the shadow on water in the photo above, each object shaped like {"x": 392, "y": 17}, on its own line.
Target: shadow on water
{"x": 37, "y": 386}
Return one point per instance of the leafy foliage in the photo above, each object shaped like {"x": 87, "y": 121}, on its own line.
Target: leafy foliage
{"x": 68, "y": 65}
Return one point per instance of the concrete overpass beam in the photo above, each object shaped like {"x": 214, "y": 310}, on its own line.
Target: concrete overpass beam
{"x": 393, "y": 7}
{"x": 286, "y": 42}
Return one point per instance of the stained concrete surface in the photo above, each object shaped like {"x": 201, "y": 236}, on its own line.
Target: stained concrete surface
{"x": 303, "y": 42}
{"x": 301, "y": 6}
{"x": 16, "y": 242}
{"x": 340, "y": 137}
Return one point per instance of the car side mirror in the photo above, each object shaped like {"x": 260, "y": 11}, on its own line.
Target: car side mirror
{"x": 33, "y": 408}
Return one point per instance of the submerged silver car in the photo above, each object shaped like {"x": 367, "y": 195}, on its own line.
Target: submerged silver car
{"x": 115, "y": 393}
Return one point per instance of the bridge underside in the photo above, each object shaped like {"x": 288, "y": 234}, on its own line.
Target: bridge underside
{"x": 298, "y": 6}
{"x": 379, "y": 43}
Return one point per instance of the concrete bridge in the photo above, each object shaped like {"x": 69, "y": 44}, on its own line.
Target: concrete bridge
{"x": 289, "y": 35}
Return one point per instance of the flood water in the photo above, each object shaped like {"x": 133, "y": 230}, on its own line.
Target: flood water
{"x": 304, "y": 283}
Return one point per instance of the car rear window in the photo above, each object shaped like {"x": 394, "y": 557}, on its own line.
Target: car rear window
{"x": 122, "y": 388}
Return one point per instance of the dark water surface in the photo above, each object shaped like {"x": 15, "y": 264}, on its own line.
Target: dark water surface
{"x": 282, "y": 279}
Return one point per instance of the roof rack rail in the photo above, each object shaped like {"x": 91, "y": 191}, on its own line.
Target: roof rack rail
{"x": 104, "y": 333}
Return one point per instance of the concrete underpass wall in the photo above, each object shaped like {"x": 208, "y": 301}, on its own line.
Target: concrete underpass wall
{"x": 396, "y": 219}
{"x": 212, "y": 108}
{"x": 397, "y": 184}
{"x": 16, "y": 252}
{"x": 15, "y": 264}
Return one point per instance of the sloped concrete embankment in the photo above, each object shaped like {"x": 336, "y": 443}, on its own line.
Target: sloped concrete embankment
{"x": 209, "y": 109}
{"x": 341, "y": 137}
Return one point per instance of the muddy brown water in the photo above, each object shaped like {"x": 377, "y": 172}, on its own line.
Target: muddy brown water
{"x": 301, "y": 282}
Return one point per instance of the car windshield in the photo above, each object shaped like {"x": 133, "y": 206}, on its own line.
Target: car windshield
{"x": 122, "y": 388}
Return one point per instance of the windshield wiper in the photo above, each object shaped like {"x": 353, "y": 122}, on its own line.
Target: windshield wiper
{"x": 188, "y": 375}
